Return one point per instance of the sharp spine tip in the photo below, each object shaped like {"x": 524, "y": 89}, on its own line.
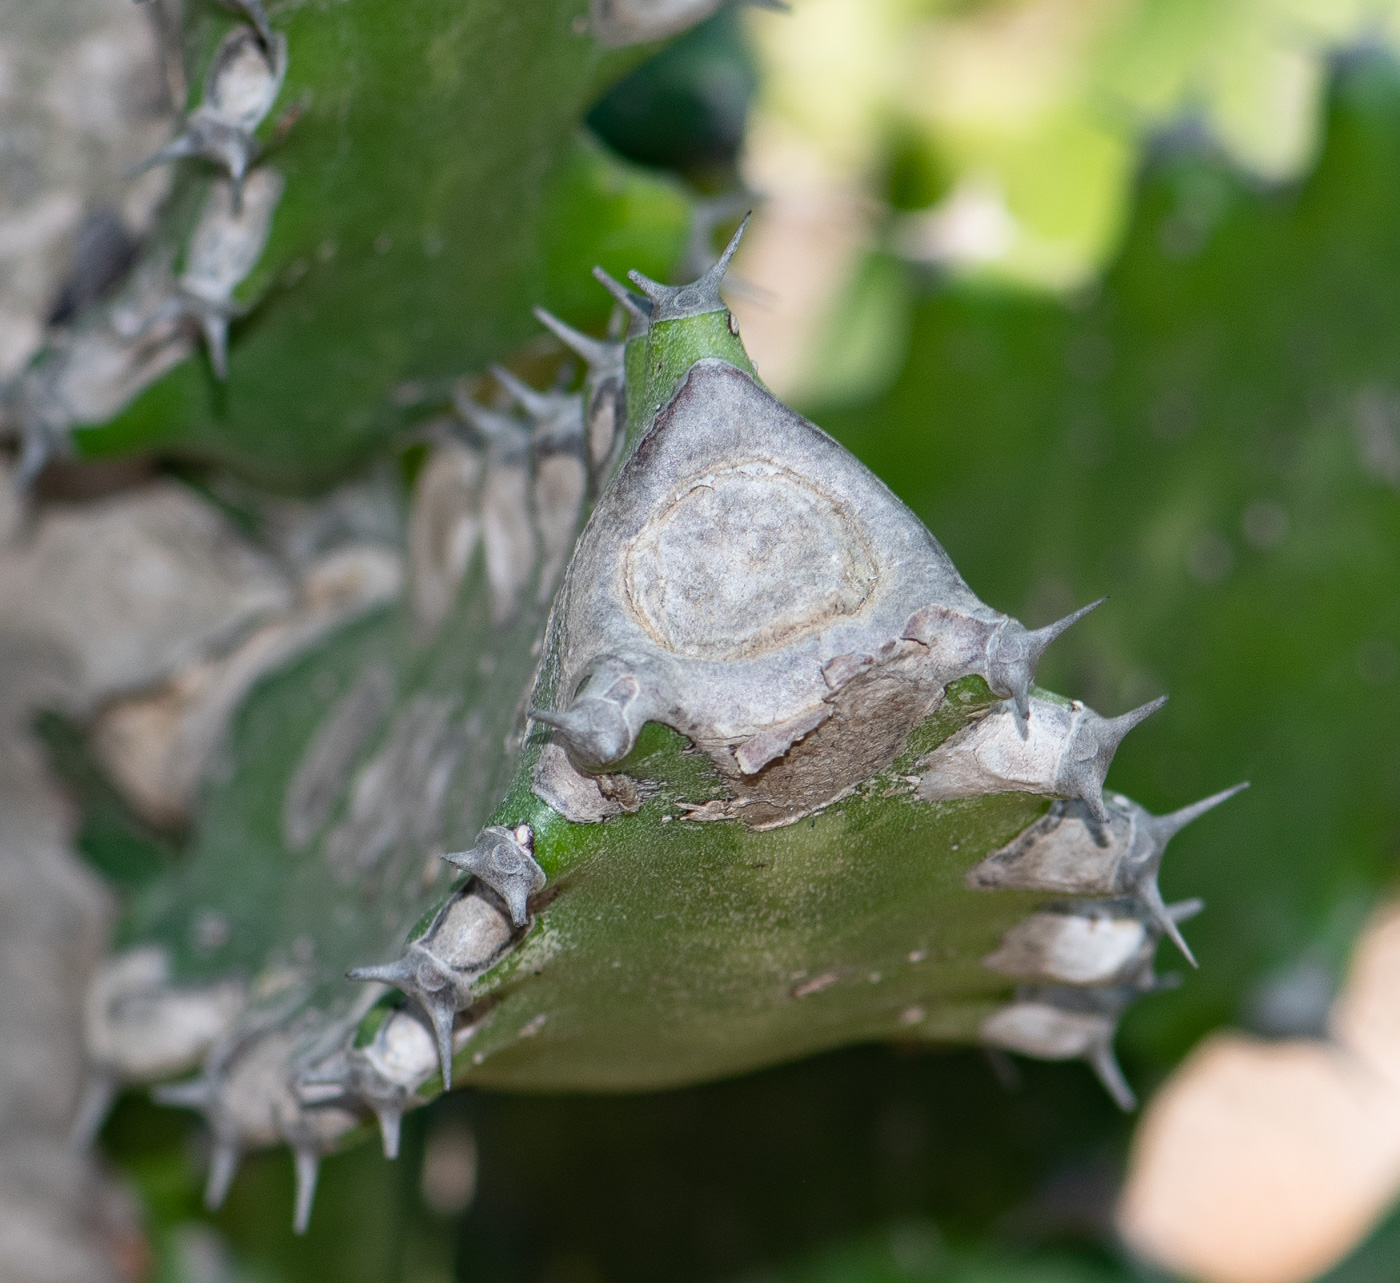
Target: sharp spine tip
{"x": 1105, "y": 1065}
{"x": 590, "y": 350}
{"x": 532, "y": 401}
{"x": 308, "y": 1169}
{"x": 223, "y": 1166}
{"x": 1135, "y": 717}
{"x": 1169, "y": 825}
{"x": 443, "y": 1017}
{"x": 386, "y": 973}
{"x": 98, "y": 1093}
{"x": 1042, "y": 637}
{"x": 722, "y": 266}
{"x": 1151, "y": 897}
{"x": 390, "y": 1126}
{"x": 636, "y": 307}
{"x": 653, "y": 290}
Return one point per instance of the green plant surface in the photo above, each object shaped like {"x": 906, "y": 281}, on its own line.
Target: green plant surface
{"x": 1204, "y": 438}
{"x": 674, "y": 949}
{"x": 437, "y": 188}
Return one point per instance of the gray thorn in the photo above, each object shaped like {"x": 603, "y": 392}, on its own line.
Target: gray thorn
{"x": 639, "y": 309}
{"x": 1160, "y": 829}
{"x": 99, "y": 1091}
{"x": 535, "y": 403}
{"x": 595, "y": 353}
{"x": 254, "y": 12}
{"x": 505, "y": 861}
{"x": 594, "y": 736}
{"x": 213, "y": 323}
{"x": 1090, "y": 751}
{"x": 415, "y": 977}
{"x": 390, "y": 1124}
{"x": 672, "y": 302}
{"x": 705, "y": 216}
{"x": 349, "y": 1078}
{"x": 223, "y": 1166}
{"x": 1167, "y": 918}
{"x": 197, "y": 1093}
{"x": 1105, "y": 1065}
{"x": 492, "y": 424}
{"x": 35, "y": 450}
{"x": 400, "y": 973}
{"x": 443, "y": 1016}
{"x": 308, "y": 1168}
{"x": 214, "y": 141}
{"x": 178, "y": 148}
{"x": 1166, "y": 827}
{"x": 1014, "y": 652}
{"x": 595, "y": 728}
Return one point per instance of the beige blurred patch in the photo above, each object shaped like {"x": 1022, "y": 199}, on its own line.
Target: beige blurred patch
{"x": 157, "y": 745}
{"x": 800, "y": 250}
{"x": 1265, "y": 1162}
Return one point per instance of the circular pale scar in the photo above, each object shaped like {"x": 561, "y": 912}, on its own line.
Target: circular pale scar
{"x": 747, "y": 559}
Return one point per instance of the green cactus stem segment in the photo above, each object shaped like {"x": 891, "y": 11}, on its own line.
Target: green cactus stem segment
{"x": 673, "y": 347}
{"x": 734, "y": 783}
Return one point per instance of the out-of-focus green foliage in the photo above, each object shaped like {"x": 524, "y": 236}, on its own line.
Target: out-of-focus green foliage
{"x": 1042, "y": 107}
{"x": 686, "y": 108}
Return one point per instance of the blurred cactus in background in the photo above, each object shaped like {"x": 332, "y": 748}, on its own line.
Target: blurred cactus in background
{"x": 449, "y": 696}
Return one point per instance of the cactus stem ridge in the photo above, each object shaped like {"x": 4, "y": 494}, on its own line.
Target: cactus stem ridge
{"x": 418, "y": 976}
{"x": 504, "y": 860}
{"x": 243, "y": 83}
{"x": 469, "y": 934}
